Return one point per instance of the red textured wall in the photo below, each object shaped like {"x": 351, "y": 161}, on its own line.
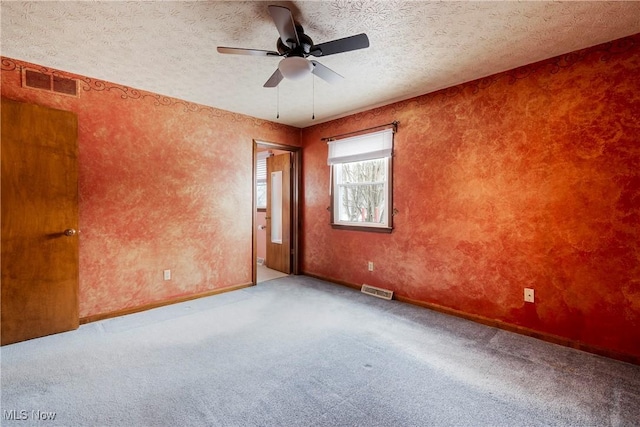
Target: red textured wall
{"x": 529, "y": 178}
{"x": 163, "y": 184}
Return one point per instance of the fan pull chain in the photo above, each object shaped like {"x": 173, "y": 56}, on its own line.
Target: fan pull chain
{"x": 278, "y": 102}
{"x": 313, "y": 101}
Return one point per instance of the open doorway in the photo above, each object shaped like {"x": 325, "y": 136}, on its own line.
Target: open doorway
{"x": 275, "y": 210}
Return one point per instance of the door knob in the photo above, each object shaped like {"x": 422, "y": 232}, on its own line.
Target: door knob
{"x": 69, "y": 232}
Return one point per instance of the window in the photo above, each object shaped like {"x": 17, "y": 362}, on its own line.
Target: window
{"x": 261, "y": 180}
{"x": 361, "y": 174}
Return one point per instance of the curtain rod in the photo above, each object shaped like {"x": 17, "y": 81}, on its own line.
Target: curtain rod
{"x": 395, "y": 124}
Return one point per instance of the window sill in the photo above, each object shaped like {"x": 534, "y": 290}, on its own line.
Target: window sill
{"x": 385, "y": 230}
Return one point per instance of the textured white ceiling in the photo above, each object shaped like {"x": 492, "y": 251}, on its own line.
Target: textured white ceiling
{"x": 416, "y": 47}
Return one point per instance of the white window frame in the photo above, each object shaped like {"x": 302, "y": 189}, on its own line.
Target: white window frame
{"x": 367, "y": 147}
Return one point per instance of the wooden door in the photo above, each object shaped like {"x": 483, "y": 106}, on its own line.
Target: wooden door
{"x": 279, "y": 213}
{"x": 39, "y": 203}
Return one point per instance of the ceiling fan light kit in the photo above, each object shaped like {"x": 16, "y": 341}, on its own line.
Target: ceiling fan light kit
{"x": 295, "y": 67}
{"x": 295, "y": 46}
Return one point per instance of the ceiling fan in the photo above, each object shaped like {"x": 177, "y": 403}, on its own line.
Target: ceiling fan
{"x": 295, "y": 46}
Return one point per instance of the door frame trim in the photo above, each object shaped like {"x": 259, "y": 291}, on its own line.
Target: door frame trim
{"x": 296, "y": 177}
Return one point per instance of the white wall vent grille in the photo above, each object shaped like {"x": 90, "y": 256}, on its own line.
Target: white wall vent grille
{"x": 377, "y": 292}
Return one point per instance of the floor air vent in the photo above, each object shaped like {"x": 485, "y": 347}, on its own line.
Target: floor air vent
{"x": 377, "y": 292}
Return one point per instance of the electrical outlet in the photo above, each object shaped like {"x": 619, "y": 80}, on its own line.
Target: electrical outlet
{"x": 167, "y": 274}
{"x": 528, "y": 295}
{"x": 370, "y": 266}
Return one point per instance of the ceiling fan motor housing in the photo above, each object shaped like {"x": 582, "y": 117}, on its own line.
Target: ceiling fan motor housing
{"x": 302, "y": 49}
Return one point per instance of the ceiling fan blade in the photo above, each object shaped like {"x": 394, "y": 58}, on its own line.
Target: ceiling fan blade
{"x": 275, "y": 79}
{"x": 252, "y": 52}
{"x": 359, "y": 41}
{"x": 284, "y": 23}
{"x": 325, "y": 73}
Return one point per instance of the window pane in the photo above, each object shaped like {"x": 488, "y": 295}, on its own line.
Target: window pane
{"x": 366, "y": 171}
{"x": 261, "y": 195}
{"x": 361, "y": 203}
